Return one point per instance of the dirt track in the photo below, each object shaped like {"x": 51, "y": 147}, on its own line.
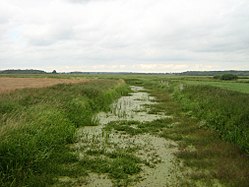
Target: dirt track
{"x": 11, "y": 84}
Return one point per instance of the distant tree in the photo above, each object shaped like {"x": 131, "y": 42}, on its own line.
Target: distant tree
{"x": 54, "y": 72}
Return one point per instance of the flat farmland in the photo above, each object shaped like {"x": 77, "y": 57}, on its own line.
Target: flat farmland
{"x": 10, "y": 84}
{"x": 242, "y": 87}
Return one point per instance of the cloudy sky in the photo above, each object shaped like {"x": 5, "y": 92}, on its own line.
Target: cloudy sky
{"x": 124, "y": 35}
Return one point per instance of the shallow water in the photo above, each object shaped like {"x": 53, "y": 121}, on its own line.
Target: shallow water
{"x": 132, "y": 107}
{"x": 157, "y": 152}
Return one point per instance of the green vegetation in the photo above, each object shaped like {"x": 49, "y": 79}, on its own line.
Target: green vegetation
{"x": 233, "y": 86}
{"x": 206, "y": 157}
{"x": 209, "y": 121}
{"x": 213, "y": 73}
{"x": 223, "y": 110}
{"x": 36, "y": 125}
{"x": 136, "y": 127}
{"x": 119, "y": 164}
{"x": 226, "y": 77}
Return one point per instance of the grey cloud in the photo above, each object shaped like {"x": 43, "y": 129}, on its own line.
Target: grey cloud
{"x": 50, "y": 36}
{"x": 98, "y": 33}
{"x": 84, "y": 1}
{"x": 78, "y": 1}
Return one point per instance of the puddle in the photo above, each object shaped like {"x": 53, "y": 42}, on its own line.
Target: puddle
{"x": 157, "y": 153}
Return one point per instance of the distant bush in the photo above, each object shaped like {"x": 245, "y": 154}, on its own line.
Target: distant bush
{"x": 226, "y": 77}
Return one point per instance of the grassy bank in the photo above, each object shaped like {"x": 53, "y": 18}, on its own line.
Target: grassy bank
{"x": 218, "y": 107}
{"x": 36, "y": 125}
{"x": 225, "y": 111}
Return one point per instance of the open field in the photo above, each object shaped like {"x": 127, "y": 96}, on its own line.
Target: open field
{"x": 125, "y": 130}
{"x": 234, "y": 86}
{"x": 9, "y": 84}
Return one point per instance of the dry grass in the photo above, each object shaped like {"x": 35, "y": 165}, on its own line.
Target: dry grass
{"x": 10, "y": 84}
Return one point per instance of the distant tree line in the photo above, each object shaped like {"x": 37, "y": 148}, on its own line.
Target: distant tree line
{"x": 19, "y": 71}
{"x": 187, "y": 73}
{"x": 214, "y": 73}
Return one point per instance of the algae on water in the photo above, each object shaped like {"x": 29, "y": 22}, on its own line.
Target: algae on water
{"x": 153, "y": 156}
{"x": 132, "y": 107}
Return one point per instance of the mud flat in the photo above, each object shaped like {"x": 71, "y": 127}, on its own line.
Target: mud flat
{"x": 156, "y": 155}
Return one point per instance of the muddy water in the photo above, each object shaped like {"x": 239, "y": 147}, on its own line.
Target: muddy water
{"x": 157, "y": 152}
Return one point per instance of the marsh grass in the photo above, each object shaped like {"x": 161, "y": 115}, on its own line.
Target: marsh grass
{"x": 223, "y": 161}
{"x": 225, "y": 111}
{"x": 136, "y": 127}
{"x": 105, "y": 157}
{"x": 207, "y": 160}
{"x": 37, "y": 124}
{"x": 118, "y": 164}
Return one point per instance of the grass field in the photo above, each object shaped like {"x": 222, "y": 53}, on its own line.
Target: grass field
{"x": 234, "y": 86}
{"x": 41, "y": 127}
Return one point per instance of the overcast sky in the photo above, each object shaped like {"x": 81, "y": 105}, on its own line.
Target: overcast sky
{"x": 124, "y": 35}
